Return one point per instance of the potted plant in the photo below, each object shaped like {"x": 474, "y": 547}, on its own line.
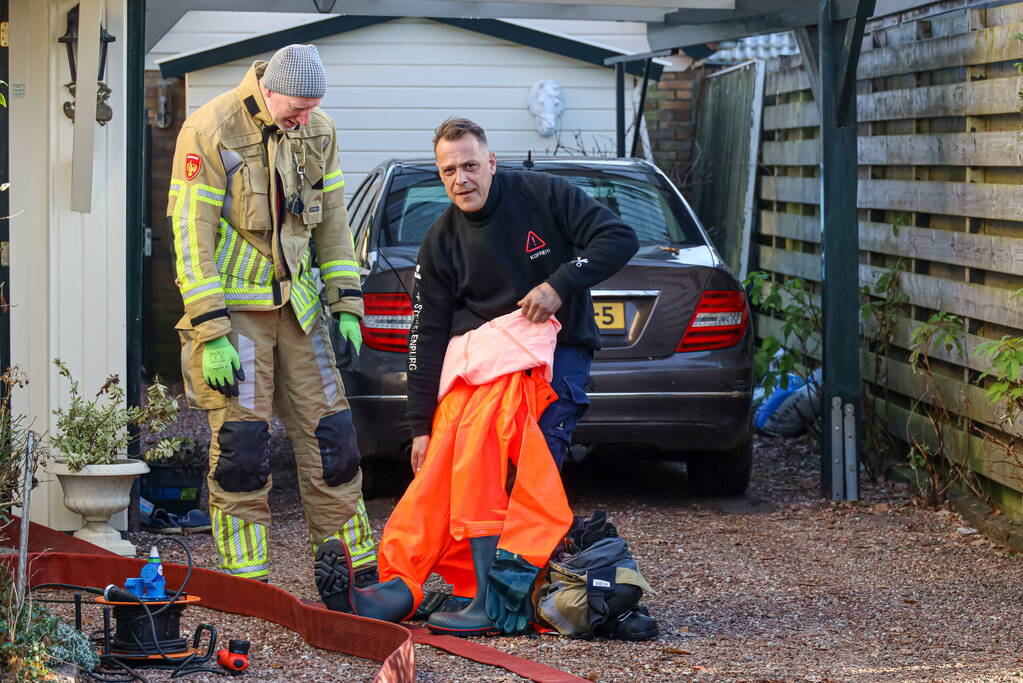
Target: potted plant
{"x": 92, "y": 437}
{"x": 175, "y": 477}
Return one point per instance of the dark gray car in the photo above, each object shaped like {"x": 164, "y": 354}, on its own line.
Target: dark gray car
{"x": 675, "y": 370}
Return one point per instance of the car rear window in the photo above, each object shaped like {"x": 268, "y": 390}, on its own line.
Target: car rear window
{"x": 416, "y": 200}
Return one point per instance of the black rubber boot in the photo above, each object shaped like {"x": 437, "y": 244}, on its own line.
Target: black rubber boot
{"x": 472, "y": 620}
{"x": 388, "y": 601}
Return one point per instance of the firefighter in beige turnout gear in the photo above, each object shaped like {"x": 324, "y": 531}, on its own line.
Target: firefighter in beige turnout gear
{"x": 256, "y": 185}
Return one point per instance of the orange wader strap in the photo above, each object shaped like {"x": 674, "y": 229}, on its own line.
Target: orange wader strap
{"x": 56, "y": 557}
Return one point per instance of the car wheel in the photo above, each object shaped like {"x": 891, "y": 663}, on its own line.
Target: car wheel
{"x": 721, "y": 474}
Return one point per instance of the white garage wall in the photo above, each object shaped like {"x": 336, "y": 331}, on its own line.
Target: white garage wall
{"x": 391, "y": 84}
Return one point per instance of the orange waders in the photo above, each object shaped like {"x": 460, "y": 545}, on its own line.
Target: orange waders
{"x": 460, "y": 492}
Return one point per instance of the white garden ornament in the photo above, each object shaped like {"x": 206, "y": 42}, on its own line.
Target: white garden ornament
{"x": 546, "y": 104}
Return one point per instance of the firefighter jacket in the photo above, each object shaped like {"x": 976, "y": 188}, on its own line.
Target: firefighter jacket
{"x": 247, "y": 204}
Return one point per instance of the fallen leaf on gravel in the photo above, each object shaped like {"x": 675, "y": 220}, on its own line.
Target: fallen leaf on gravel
{"x": 910, "y": 602}
{"x": 676, "y": 651}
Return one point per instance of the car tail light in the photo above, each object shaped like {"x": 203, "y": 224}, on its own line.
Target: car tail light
{"x": 386, "y": 321}
{"x": 720, "y": 321}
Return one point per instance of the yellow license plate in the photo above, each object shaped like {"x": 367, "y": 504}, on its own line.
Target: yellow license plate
{"x": 610, "y": 315}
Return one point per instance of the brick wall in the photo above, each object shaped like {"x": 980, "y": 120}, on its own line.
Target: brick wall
{"x": 162, "y": 303}
{"x": 671, "y": 122}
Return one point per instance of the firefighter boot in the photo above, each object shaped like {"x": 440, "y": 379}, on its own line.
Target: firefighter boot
{"x": 334, "y": 576}
{"x": 337, "y": 584}
{"x": 472, "y": 620}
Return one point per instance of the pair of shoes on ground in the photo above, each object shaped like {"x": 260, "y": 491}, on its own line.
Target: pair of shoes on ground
{"x": 160, "y": 521}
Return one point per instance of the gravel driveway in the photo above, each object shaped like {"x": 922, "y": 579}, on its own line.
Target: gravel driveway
{"x": 777, "y": 585}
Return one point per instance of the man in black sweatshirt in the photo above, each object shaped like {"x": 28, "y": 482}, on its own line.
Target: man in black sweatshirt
{"x": 510, "y": 239}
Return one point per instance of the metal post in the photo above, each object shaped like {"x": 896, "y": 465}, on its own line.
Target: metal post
{"x": 839, "y": 239}
{"x": 26, "y": 499}
{"x": 134, "y": 202}
{"x": 642, "y": 105}
{"x": 620, "y": 108}
{"x": 852, "y": 461}
{"x": 837, "y": 443}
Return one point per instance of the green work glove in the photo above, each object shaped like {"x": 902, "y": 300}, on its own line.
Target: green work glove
{"x": 221, "y": 367}
{"x": 348, "y": 326}
{"x": 509, "y": 592}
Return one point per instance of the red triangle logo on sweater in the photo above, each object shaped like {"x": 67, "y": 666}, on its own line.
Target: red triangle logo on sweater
{"x": 534, "y": 242}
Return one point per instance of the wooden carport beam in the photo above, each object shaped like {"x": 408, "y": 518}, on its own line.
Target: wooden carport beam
{"x": 710, "y": 26}
{"x": 809, "y": 41}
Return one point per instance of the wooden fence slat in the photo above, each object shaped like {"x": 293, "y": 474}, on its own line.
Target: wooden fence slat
{"x": 969, "y": 300}
{"x": 793, "y": 226}
{"x": 791, "y": 153}
{"x": 1003, "y": 148}
{"x": 976, "y": 200}
{"x": 996, "y": 44}
{"x": 794, "y": 263}
{"x": 784, "y": 189}
{"x": 989, "y": 252}
{"x": 786, "y": 80}
{"x": 901, "y": 336}
{"x": 992, "y": 304}
{"x": 804, "y": 114}
{"x": 961, "y": 399}
{"x": 977, "y": 98}
{"x": 972, "y": 451}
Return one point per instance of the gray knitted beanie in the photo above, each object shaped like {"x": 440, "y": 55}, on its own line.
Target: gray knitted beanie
{"x": 296, "y": 71}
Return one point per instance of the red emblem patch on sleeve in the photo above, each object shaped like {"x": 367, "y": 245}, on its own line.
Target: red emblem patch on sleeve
{"x": 193, "y": 164}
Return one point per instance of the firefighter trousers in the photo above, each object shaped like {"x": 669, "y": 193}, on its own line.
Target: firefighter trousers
{"x": 294, "y": 371}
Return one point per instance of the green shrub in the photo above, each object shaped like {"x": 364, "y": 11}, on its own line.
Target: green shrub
{"x": 96, "y": 432}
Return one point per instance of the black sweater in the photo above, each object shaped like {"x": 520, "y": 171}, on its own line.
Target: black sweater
{"x": 474, "y": 267}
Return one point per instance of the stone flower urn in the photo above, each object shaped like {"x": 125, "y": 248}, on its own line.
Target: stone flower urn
{"x": 97, "y": 492}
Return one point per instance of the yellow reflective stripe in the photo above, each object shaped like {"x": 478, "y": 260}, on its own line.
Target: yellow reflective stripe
{"x": 339, "y": 268}
{"x": 241, "y": 545}
{"x": 212, "y": 190}
{"x": 359, "y": 537}
{"x": 329, "y": 182}
{"x": 207, "y": 287}
{"x": 250, "y": 273}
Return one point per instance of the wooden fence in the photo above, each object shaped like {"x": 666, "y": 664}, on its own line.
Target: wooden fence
{"x": 940, "y": 199}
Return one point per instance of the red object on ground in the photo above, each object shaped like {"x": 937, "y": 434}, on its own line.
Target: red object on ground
{"x": 57, "y": 557}
{"x": 460, "y": 491}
